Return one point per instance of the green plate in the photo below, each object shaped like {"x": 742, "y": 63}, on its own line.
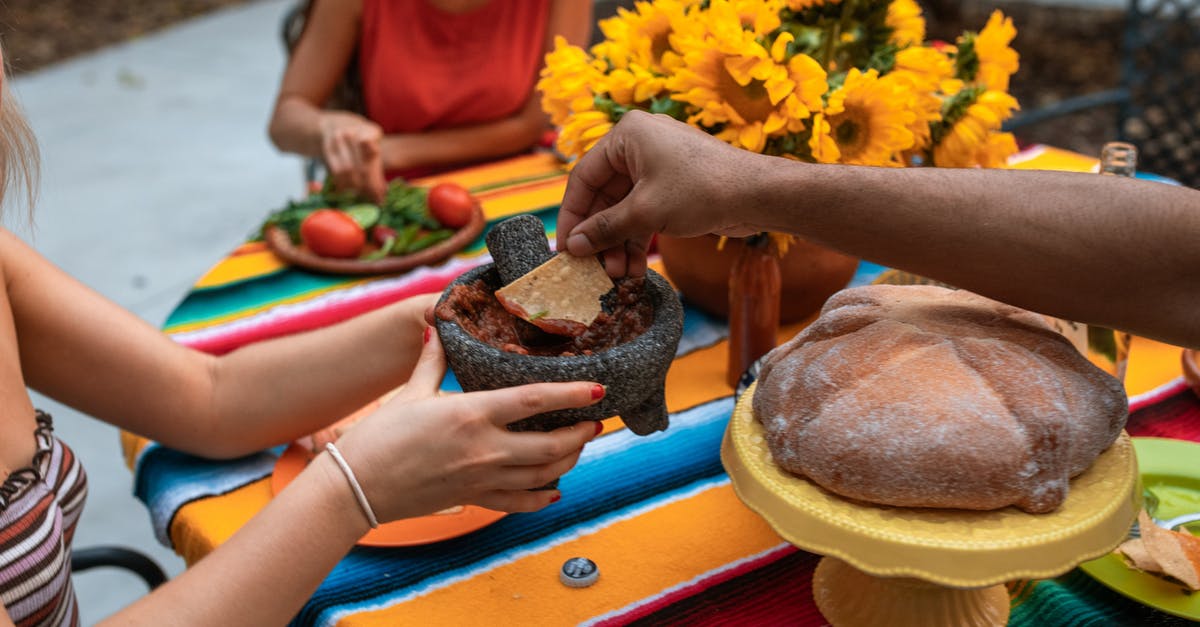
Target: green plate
{"x": 1170, "y": 469}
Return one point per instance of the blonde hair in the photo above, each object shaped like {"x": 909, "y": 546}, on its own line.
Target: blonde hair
{"x": 19, "y": 157}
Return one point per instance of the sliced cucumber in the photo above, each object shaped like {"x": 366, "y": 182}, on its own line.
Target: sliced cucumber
{"x": 366, "y": 215}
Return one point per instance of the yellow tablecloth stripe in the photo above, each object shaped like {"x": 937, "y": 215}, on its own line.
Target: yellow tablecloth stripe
{"x": 627, "y": 571}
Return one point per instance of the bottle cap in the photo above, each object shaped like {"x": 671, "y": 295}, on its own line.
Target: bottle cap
{"x": 579, "y": 572}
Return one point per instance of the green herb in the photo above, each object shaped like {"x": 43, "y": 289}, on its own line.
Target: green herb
{"x": 540, "y": 314}
{"x": 381, "y": 252}
{"x": 429, "y": 239}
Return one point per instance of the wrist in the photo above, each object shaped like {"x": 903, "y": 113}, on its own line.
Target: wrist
{"x": 335, "y": 489}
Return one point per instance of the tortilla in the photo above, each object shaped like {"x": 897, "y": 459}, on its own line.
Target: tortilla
{"x": 561, "y": 296}
{"x": 1174, "y": 554}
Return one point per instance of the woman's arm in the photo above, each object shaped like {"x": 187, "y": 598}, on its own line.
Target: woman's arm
{"x": 80, "y": 348}
{"x": 316, "y": 66}
{"x": 570, "y": 18}
{"x": 349, "y": 143}
{"x": 418, "y": 454}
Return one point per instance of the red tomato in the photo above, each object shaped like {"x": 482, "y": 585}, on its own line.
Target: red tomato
{"x": 380, "y": 234}
{"x": 451, "y": 205}
{"x": 331, "y": 233}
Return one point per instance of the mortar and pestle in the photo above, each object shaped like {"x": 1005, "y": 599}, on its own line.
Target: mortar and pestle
{"x": 634, "y": 372}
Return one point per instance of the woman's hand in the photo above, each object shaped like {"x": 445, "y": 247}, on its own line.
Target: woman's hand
{"x": 421, "y": 453}
{"x": 652, "y": 174}
{"x": 351, "y": 148}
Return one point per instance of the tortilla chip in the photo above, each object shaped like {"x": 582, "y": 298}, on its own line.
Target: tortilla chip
{"x": 1136, "y": 556}
{"x": 561, "y": 296}
{"x": 1177, "y": 553}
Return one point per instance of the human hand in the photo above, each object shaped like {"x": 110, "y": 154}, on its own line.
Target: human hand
{"x": 652, "y": 174}
{"x": 351, "y": 147}
{"x": 421, "y": 453}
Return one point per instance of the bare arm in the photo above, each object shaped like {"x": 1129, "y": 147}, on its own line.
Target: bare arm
{"x": 571, "y": 19}
{"x": 121, "y": 370}
{"x": 416, "y": 455}
{"x": 316, "y": 65}
{"x": 1104, "y": 250}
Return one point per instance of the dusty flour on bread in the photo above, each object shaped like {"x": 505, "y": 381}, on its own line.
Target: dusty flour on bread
{"x": 920, "y": 396}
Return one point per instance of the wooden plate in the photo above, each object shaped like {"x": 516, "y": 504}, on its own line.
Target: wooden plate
{"x": 281, "y": 244}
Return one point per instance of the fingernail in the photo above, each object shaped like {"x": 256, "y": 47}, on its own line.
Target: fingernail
{"x": 579, "y": 241}
{"x": 599, "y": 427}
{"x": 597, "y": 392}
{"x": 555, "y": 498}
{"x": 428, "y": 333}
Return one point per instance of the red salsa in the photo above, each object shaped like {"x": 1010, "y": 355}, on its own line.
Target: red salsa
{"x": 627, "y": 313}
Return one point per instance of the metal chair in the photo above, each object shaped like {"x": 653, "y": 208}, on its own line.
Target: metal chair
{"x": 119, "y": 557}
{"x": 1158, "y": 94}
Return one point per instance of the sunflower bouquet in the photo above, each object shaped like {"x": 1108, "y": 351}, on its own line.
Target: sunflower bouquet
{"x": 823, "y": 81}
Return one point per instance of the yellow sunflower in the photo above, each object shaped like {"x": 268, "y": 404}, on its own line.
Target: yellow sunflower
{"x": 996, "y": 150}
{"x": 631, "y": 85}
{"x": 643, "y": 36}
{"x": 969, "y": 137}
{"x": 800, "y": 5}
{"x": 869, "y": 120}
{"x": 567, "y": 81}
{"x": 904, "y": 18}
{"x": 923, "y": 71}
{"x": 733, "y": 83}
{"x": 581, "y": 131}
{"x": 997, "y": 60}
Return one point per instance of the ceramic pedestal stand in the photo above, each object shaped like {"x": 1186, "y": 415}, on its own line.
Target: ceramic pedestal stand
{"x": 898, "y": 567}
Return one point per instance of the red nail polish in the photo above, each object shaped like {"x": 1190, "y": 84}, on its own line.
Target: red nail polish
{"x": 599, "y": 427}
{"x": 428, "y": 333}
{"x": 555, "y": 498}
{"x": 597, "y": 392}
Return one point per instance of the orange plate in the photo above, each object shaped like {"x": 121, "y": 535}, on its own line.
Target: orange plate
{"x": 408, "y": 532}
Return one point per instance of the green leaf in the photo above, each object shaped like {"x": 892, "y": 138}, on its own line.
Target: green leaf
{"x": 366, "y": 215}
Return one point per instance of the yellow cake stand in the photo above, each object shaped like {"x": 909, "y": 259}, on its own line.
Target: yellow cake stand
{"x": 928, "y": 567}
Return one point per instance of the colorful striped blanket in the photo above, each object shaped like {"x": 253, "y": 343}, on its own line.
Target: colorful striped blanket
{"x": 657, "y": 514}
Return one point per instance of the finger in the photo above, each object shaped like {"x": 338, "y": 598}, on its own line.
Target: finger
{"x": 341, "y": 164}
{"x": 532, "y": 477}
{"x": 517, "y": 500}
{"x": 610, "y": 228}
{"x": 616, "y": 262}
{"x": 431, "y": 366}
{"x": 635, "y": 257}
{"x": 595, "y": 184}
{"x": 533, "y": 448}
{"x": 507, "y": 405}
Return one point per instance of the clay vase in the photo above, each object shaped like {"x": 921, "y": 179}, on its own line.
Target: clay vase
{"x": 810, "y": 274}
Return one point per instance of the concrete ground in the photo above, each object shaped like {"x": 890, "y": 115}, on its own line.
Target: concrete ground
{"x": 155, "y": 163}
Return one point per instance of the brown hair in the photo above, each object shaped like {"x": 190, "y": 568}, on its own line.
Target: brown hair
{"x": 19, "y": 158}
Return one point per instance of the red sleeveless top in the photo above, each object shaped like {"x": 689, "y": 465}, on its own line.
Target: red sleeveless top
{"x": 423, "y": 68}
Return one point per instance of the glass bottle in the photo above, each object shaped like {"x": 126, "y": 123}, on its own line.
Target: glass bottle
{"x": 1107, "y": 348}
{"x": 754, "y": 292}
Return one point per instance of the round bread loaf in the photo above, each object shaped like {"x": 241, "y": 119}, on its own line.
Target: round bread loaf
{"x": 920, "y": 396}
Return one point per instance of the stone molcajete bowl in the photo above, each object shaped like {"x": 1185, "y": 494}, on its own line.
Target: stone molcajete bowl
{"x": 633, "y": 372}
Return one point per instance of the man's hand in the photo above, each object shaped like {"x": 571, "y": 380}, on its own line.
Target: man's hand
{"x": 652, "y": 174}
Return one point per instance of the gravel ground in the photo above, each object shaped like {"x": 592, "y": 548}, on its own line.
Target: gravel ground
{"x": 37, "y": 33}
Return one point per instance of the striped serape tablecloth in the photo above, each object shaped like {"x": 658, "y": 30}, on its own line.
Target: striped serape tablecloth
{"x": 657, "y": 514}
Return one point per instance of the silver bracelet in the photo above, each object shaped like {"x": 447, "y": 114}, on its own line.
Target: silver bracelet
{"x": 358, "y": 491}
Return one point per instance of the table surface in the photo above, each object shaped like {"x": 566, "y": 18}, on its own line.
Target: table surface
{"x": 657, "y": 514}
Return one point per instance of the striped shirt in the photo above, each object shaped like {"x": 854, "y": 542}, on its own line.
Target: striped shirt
{"x": 39, "y": 506}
